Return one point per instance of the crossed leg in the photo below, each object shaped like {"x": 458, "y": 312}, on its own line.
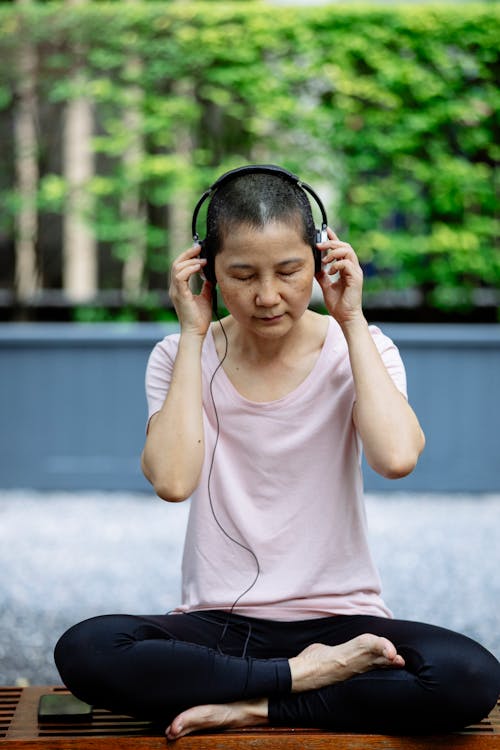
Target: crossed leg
{"x": 179, "y": 669}
{"x": 315, "y": 667}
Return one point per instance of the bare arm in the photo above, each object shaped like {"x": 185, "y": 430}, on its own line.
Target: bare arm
{"x": 391, "y": 435}
{"x": 173, "y": 453}
{"x": 172, "y": 458}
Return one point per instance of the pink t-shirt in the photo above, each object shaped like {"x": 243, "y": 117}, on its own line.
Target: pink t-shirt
{"x": 286, "y": 484}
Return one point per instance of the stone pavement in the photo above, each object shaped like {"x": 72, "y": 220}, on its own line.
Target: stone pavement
{"x": 65, "y": 557}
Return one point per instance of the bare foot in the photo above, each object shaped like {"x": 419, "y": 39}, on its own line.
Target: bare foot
{"x": 315, "y": 667}
{"x": 319, "y": 665}
{"x": 239, "y": 714}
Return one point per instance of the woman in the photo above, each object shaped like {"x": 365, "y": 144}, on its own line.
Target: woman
{"x": 260, "y": 419}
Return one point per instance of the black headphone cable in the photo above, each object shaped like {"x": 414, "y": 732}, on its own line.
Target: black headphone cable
{"x": 210, "y": 499}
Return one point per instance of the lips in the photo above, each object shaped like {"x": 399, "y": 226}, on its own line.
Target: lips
{"x": 271, "y": 318}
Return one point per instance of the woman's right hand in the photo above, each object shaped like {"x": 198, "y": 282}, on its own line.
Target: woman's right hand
{"x": 193, "y": 310}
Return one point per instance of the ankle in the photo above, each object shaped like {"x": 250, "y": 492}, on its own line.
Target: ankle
{"x": 301, "y": 674}
{"x": 257, "y": 710}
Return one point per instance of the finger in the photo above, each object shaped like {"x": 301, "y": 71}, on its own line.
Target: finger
{"x": 206, "y": 290}
{"x": 191, "y": 252}
{"x": 339, "y": 248}
{"x": 325, "y": 281}
{"x": 331, "y": 237}
{"x": 189, "y": 263}
{"x": 183, "y": 271}
{"x": 335, "y": 249}
{"x": 331, "y": 242}
{"x": 344, "y": 276}
{"x": 346, "y": 267}
{"x": 345, "y": 252}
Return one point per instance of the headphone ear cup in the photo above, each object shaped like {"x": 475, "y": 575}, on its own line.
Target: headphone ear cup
{"x": 317, "y": 260}
{"x": 321, "y": 236}
{"x": 209, "y": 269}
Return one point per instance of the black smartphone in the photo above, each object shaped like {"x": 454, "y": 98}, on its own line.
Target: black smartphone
{"x": 54, "y": 707}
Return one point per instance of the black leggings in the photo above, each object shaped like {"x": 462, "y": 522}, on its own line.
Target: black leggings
{"x": 156, "y": 666}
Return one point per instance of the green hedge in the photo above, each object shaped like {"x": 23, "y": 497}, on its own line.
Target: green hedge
{"x": 389, "y": 112}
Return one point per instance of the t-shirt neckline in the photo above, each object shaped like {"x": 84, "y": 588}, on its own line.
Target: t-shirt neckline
{"x": 295, "y": 393}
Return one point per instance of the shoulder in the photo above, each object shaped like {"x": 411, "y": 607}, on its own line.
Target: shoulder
{"x": 218, "y": 332}
{"x": 391, "y": 358}
{"x": 384, "y": 343}
{"x": 316, "y": 330}
{"x": 338, "y": 351}
{"x": 159, "y": 371}
{"x": 164, "y": 351}
{"x": 380, "y": 339}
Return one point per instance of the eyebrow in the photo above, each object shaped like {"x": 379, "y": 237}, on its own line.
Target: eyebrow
{"x": 246, "y": 266}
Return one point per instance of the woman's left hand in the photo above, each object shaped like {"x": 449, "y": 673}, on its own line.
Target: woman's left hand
{"x": 343, "y": 297}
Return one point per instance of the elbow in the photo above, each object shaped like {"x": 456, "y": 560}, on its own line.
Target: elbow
{"x": 169, "y": 495}
{"x": 169, "y": 488}
{"x": 172, "y": 490}
{"x": 401, "y": 463}
{"x": 175, "y": 488}
{"x": 398, "y": 469}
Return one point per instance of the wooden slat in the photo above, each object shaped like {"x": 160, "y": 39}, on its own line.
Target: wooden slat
{"x": 25, "y": 714}
{"x": 261, "y": 741}
{"x": 9, "y": 698}
{"x": 108, "y": 731}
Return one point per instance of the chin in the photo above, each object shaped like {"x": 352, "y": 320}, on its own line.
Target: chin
{"x": 274, "y": 328}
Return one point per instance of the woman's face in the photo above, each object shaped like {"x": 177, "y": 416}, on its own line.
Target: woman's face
{"x": 265, "y": 277}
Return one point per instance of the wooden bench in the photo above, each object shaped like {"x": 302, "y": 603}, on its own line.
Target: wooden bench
{"x": 19, "y": 730}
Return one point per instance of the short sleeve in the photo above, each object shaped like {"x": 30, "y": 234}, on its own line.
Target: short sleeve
{"x": 391, "y": 358}
{"x": 159, "y": 372}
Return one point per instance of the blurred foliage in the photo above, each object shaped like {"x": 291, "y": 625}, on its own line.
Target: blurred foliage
{"x": 390, "y": 112}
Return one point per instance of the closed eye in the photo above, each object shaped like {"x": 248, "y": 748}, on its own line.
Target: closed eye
{"x": 251, "y": 276}
{"x": 244, "y": 278}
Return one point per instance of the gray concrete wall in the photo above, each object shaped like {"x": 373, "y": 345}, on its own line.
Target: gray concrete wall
{"x": 72, "y": 405}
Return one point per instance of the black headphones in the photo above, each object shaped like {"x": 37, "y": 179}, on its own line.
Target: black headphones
{"x": 209, "y": 270}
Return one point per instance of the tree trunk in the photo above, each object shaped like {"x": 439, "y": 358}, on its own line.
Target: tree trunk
{"x": 26, "y": 280}
{"x": 181, "y": 210}
{"x": 79, "y": 245}
{"x": 132, "y": 210}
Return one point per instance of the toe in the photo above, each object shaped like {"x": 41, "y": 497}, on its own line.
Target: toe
{"x": 390, "y": 653}
{"x": 175, "y": 730}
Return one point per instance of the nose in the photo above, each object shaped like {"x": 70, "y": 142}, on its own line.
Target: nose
{"x": 267, "y": 294}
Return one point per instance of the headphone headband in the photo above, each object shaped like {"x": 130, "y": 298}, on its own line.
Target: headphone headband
{"x": 256, "y": 169}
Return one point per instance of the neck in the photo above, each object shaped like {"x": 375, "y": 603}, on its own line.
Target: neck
{"x": 258, "y": 349}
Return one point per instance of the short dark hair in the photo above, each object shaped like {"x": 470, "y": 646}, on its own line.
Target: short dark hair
{"x": 257, "y": 200}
